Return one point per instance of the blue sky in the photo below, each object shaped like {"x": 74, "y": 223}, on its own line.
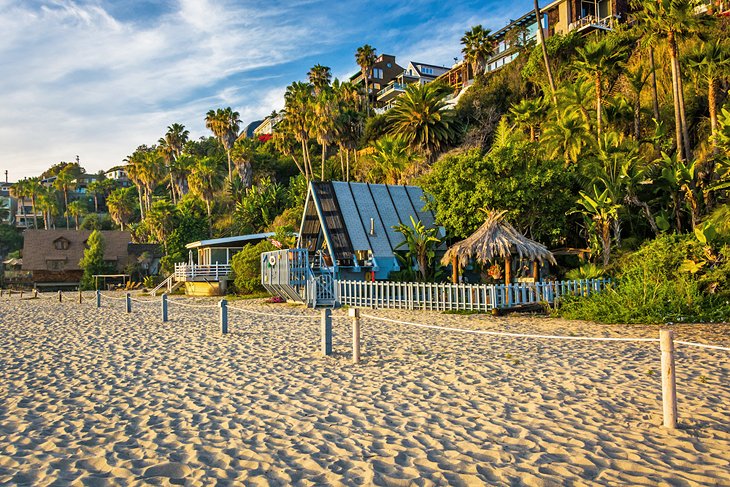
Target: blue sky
{"x": 97, "y": 78}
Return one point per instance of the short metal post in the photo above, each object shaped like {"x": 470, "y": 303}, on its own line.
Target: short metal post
{"x": 224, "y": 316}
{"x": 60, "y": 296}
{"x": 129, "y": 303}
{"x": 669, "y": 384}
{"x": 98, "y": 298}
{"x": 164, "y": 307}
{"x": 326, "y": 332}
{"x": 355, "y": 315}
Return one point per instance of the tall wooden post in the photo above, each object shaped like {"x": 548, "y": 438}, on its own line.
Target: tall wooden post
{"x": 536, "y": 270}
{"x": 455, "y": 269}
{"x": 669, "y": 384}
{"x": 355, "y": 315}
{"x": 164, "y": 307}
{"x": 224, "y": 316}
{"x": 129, "y": 303}
{"x": 326, "y": 332}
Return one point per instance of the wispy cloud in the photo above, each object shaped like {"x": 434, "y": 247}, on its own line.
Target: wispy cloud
{"x": 98, "y": 77}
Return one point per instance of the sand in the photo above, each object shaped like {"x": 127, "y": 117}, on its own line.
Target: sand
{"x": 100, "y": 397}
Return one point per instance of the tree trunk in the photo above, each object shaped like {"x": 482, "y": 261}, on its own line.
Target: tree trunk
{"x": 141, "y": 205}
{"x": 96, "y": 203}
{"x": 172, "y": 188}
{"x": 367, "y": 97}
{"x": 675, "y": 93}
{"x": 324, "y": 156}
{"x": 210, "y": 221}
{"x": 76, "y": 218}
{"x": 633, "y": 200}
{"x": 606, "y": 241}
{"x": 65, "y": 202}
{"x": 455, "y": 269}
{"x": 685, "y": 128}
{"x": 637, "y": 116}
{"x": 712, "y": 103}
{"x": 599, "y": 118}
{"x": 532, "y": 133}
{"x": 654, "y": 91}
{"x": 230, "y": 167}
{"x": 247, "y": 174}
{"x": 347, "y": 158}
{"x": 35, "y": 216}
{"x": 541, "y": 40}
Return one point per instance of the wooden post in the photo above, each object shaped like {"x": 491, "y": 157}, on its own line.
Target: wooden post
{"x": 21, "y": 294}
{"x": 224, "y": 316}
{"x": 80, "y": 296}
{"x": 536, "y": 270}
{"x": 1, "y": 293}
{"x": 507, "y": 277}
{"x": 455, "y": 268}
{"x": 60, "y": 296}
{"x": 98, "y": 298}
{"x": 35, "y": 292}
{"x": 669, "y": 385}
{"x": 326, "y": 332}
{"x": 164, "y": 307}
{"x": 129, "y": 303}
{"x": 355, "y": 315}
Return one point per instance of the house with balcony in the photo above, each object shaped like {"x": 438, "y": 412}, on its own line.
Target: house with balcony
{"x": 384, "y": 71}
{"x": 513, "y": 39}
{"x": 416, "y": 72}
{"x": 265, "y": 129}
{"x": 119, "y": 174}
{"x": 565, "y": 16}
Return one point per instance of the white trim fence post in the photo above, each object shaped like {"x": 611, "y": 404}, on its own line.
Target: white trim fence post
{"x": 224, "y": 316}
{"x": 355, "y": 315}
{"x": 669, "y": 383}
{"x": 326, "y": 322}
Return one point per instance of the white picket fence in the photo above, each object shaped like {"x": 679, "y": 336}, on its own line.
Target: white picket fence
{"x": 465, "y": 297}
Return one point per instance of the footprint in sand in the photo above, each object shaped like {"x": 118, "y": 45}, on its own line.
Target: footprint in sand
{"x": 169, "y": 470}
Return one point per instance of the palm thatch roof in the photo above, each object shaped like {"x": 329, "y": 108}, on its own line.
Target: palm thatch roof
{"x": 496, "y": 239}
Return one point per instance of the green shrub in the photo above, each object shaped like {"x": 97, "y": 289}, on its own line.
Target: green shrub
{"x": 246, "y": 267}
{"x": 586, "y": 271}
{"x": 673, "y": 278}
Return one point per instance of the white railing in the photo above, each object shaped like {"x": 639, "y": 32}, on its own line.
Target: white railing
{"x": 462, "y": 297}
{"x": 592, "y": 21}
{"x": 190, "y": 271}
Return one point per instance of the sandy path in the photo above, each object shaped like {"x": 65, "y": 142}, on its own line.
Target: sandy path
{"x": 106, "y": 398}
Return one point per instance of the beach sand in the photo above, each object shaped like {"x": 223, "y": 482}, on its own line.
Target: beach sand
{"x": 102, "y": 397}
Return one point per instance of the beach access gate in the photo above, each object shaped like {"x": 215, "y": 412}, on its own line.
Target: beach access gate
{"x": 288, "y": 274}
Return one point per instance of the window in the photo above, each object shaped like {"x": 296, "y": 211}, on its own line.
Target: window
{"x": 55, "y": 265}
{"x": 377, "y": 73}
{"x": 61, "y": 244}
{"x": 427, "y": 71}
{"x": 390, "y": 65}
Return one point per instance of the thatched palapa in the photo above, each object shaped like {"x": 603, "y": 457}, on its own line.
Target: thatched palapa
{"x": 496, "y": 240}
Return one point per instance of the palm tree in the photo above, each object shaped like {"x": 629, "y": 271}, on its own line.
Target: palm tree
{"x": 121, "y": 206}
{"x": 48, "y": 204}
{"x": 529, "y": 113}
{"x": 543, "y": 48}
{"x": 161, "y": 220}
{"x": 64, "y": 183}
{"x": 600, "y": 208}
{"x": 599, "y": 59}
{"x": 243, "y": 155}
{"x": 297, "y": 102}
{"x": 76, "y": 209}
{"x": 671, "y": 20}
{"x": 225, "y": 125}
{"x": 171, "y": 146}
{"x": 151, "y": 171}
{"x": 34, "y": 189}
{"x": 319, "y": 77}
{"x": 567, "y": 136}
{"x": 478, "y": 47}
{"x": 420, "y": 118}
{"x": 390, "y": 158}
{"x": 637, "y": 80}
{"x": 348, "y": 126}
{"x": 711, "y": 62}
{"x": 322, "y": 122}
{"x": 20, "y": 191}
{"x": 134, "y": 170}
{"x": 205, "y": 182}
{"x": 365, "y": 57}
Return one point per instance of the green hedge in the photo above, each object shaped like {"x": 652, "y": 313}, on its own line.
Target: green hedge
{"x": 246, "y": 267}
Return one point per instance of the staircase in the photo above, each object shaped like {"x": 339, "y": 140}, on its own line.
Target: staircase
{"x": 322, "y": 289}
{"x": 169, "y": 283}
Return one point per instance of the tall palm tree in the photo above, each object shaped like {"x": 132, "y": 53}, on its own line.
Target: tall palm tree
{"x": 320, "y": 77}
{"x": 545, "y": 59}
{"x": 205, "y": 182}
{"x": 152, "y": 168}
{"x": 297, "y": 102}
{"x": 243, "y": 155}
{"x": 20, "y": 191}
{"x": 161, "y": 220}
{"x": 567, "y": 136}
{"x": 134, "y": 170}
{"x": 34, "y": 189}
{"x": 64, "y": 183}
{"x": 365, "y": 57}
{"x": 671, "y": 20}
{"x": 478, "y": 47}
{"x": 599, "y": 59}
{"x": 171, "y": 146}
{"x": 711, "y": 63}
{"x": 225, "y": 125}
{"x": 529, "y": 113}
{"x": 48, "y": 204}
{"x": 637, "y": 79}
{"x": 323, "y": 120}
{"x": 420, "y": 118}
{"x": 121, "y": 206}
{"x": 76, "y": 209}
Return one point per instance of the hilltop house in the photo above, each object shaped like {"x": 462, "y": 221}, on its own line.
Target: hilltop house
{"x": 416, "y": 72}
{"x": 52, "y": 256}
{"x": 384, "y": 71}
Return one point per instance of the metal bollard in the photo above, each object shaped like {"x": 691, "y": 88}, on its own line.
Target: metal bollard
{"x": 164, "y": 307}
{"x": 98, "y": 298}
{"x": 129, "y": 303}
{"x": 326, "y": 332}
{"x": 224, "y": 316}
